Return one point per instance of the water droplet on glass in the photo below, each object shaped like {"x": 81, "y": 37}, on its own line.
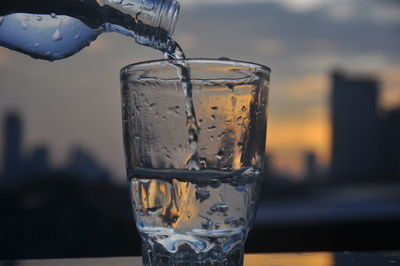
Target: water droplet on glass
{"x": 207, "y": 224}
{"x": 53, "y": 15}
{"x": 57, "y": 35}
{"x": 214, "y": 108}
{"x": 213, "y": 117}
{"x": 36, "y": 44}
{"x": 219, "y": 207}
{"x": 215, "y": 183}
{"x": 234, "y": 100}
{"x": 241, "y": 188}
{"x": 77, "y": 36}
{"x": 202, "y": 194}
{"x": 211, "y": 128}
{"x": 154, "y": 210}
{"x": 39, "y": 18}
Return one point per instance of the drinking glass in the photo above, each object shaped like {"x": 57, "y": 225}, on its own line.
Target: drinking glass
{"x": 194, "y": 156}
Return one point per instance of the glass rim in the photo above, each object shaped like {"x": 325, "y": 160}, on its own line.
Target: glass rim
{"x": 197, "y": 60}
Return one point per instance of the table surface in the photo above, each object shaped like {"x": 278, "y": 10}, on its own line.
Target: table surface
{"x": 388, "y": 258}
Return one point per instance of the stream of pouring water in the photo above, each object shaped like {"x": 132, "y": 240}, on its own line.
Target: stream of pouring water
{"x": 175, "y": 52}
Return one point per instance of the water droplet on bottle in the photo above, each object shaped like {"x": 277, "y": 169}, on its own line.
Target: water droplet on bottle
{"x": 39, "y": 18}
{"x": 128, "y": 6}
{"x": 148, "y": 4}
{"x": 53, "y": 15}
{"x": 57, "y": 35}
{"x": 77, "y": 36}
{"x": 24, "y": 25}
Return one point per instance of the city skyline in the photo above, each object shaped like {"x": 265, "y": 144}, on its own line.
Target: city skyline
{"x": 76, "y": 101}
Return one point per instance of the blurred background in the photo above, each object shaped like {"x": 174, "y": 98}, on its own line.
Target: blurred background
{"x": 333, "y": 178}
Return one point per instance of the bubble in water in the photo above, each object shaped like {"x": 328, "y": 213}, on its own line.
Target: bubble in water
{"x": 57, "y": 35}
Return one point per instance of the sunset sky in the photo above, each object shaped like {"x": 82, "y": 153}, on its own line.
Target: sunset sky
{"x": 77, "y": 101}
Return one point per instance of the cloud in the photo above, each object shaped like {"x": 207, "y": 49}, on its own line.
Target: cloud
{"x": 296, "y": 5}
{"x": 270, "y": 46}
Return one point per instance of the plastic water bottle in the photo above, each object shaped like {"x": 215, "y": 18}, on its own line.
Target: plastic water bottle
{"x": 52, "y": 30}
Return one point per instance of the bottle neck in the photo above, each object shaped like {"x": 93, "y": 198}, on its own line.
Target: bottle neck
{"x": 133, "y": 14}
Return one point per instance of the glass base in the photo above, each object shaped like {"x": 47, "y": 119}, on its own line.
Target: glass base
{"x": 184, "y": 256}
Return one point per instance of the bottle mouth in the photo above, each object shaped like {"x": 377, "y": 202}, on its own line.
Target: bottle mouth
{"x": 168, "y": 16}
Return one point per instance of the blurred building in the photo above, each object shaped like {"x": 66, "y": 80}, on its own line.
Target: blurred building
{"x": 357, "y": 128}
{"x": 83, "y": 164}
{"x": 391, "y": 144}
{"x": 12, "y": 145}
{"x": 310, "y": 165}
{"x": 19, "y": 166}
{"x": 38, "y": 162}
